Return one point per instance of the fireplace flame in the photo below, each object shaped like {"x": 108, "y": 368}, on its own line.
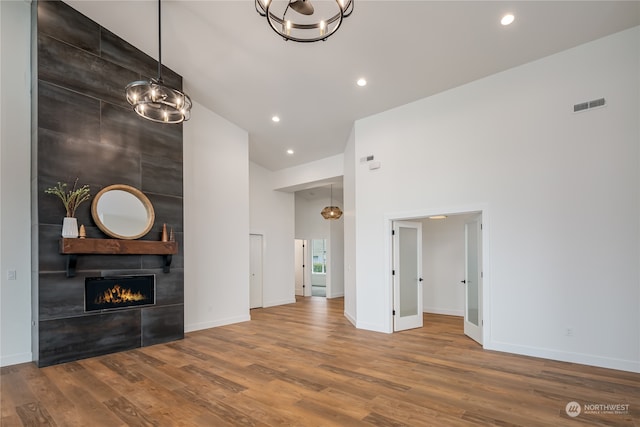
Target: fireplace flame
{"x": 117, "y": 294}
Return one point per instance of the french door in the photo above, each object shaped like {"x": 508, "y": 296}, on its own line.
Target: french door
{"x": 407, "y": 275}
{"x": 473, "y": 279}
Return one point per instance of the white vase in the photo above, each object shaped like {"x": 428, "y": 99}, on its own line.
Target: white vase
{"x": 70, "y": 228}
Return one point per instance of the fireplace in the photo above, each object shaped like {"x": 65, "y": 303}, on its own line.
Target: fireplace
{"x": 117, "y": 292}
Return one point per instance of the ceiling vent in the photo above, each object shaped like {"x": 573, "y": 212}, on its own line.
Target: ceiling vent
{"x": 588, "y": 105}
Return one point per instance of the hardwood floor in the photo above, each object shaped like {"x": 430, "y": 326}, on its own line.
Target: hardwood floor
{"x": 304, "y": 364}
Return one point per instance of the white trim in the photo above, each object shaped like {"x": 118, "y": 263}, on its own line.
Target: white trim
{"x": 15, "y": 359}
{"x": 281, "y": 302}
{"x": 339, "y": 295}
{"x": 350, "y": 318}
{"x": 222, "y": 322}
{"x": 566, "y": 356}
{"x": 372, "y": 327}
{"x": 445, "y": 311}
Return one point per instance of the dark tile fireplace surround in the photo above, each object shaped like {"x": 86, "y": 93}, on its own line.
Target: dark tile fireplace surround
{"x": 84, "y": 128}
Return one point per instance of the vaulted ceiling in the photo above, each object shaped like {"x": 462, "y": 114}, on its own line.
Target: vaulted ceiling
{"x": 236, "y": 66}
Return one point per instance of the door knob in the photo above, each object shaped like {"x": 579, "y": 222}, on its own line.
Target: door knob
{"x": 420, "y": 279}
{"x": 463, "y": 281}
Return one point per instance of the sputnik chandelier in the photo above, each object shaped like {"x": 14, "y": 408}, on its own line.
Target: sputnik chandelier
{"x": 301, "y": 21}
{"x": 155, "y": 101}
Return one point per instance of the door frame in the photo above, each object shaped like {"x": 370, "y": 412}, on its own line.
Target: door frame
{"x": 262, "y": 247}
{"x": 419, "y": 214}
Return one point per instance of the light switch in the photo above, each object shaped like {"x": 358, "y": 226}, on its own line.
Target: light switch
{"x": 11, "y": 275}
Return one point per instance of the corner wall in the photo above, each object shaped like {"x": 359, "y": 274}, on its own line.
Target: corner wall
{"x": 511, "y": 142}
{"x": 15, "y": 179}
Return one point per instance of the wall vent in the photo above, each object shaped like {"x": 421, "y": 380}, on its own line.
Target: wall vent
{"x": 588, "y": 105}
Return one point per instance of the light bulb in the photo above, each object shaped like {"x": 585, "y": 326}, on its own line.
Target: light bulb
{"x": 507, "y": 19}
{"x": 166, "y": 116}
{"x": 323, "y": 27}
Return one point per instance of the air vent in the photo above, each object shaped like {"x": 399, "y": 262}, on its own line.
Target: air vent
{"x": 588, "y": 105}
{"x": 580, "y": 107}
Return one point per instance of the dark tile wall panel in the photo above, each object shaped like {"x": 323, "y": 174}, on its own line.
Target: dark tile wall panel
{"x": 61, "y": 296}
{"x": 76, "y": 116}
{"x": 161, "y": 175}
{"x": 162, "y": 324}
{"x": 122, "y": 53}
{"x": 87, "y": 130}
{"x": 75, "y": 69}
{"x": 73, "y": 338}
{"x": 170, "y": 287}
{"x": 77, "y": 30}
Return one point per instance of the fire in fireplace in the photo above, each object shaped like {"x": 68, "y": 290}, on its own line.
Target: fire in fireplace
{"x": 105, "y": 293}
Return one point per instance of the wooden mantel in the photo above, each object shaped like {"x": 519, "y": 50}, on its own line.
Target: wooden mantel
{"x": 74, "y": 247}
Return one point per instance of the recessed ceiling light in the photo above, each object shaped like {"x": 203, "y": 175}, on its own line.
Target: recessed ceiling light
{"x": 361, "y": 82}
{"x": 275, "y": 119}
{"x": 438, "y": 217}
{"x": 507, "y": 19}
{"x": 290, "y": 151}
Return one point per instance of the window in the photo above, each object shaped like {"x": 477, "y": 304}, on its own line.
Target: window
{"x": 319, "y": 256}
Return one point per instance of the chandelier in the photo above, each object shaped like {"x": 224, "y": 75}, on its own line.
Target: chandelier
{"x": 155, "y": 101}
{"x": 331, "y": 212}
{"x": 300, "y": 21}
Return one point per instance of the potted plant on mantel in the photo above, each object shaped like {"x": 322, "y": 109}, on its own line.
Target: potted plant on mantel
{"x": 71, "y": 199}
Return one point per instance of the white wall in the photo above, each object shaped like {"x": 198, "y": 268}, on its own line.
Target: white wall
{"x": 272, "y": 215}
{"x": 309, "y": 224}
{"x": 443, "y": 263}
{"x": 349, "y": 199}
{"x": 15, "y": 181}
{"x": 335, "y": 262}
{"x": 216, "y": 221}
{"x": 559, "y": 193}
{"x": 309, "y": 175}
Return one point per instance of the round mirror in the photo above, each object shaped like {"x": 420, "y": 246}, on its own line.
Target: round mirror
{"x": 123, "y": 212}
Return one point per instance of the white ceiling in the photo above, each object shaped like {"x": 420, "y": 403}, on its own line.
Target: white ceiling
{"x": 235, "y": 65}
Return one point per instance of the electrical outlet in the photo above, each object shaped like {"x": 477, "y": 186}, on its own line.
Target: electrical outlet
{"x": 569, "y": 332}
{"x": 11, "y": 275}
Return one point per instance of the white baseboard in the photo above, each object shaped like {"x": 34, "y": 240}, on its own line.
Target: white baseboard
{"x": 340, "y": 295}
{"x": 215, "y": 323}
{"x": 275, "y": 303}
{"x": 15, "y": 359}
{"x": 372, "y": 327}
{"x": 566, "y": 356}
{"x": 350, "y": 318}
{"x": 445, "y": 311}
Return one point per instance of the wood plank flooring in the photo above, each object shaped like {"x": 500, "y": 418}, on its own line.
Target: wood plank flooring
{"x": 304, "y": 364}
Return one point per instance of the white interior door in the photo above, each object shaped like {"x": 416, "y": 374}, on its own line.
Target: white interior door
{"x": 255, "y": 270}
{"x": 473, "y": 279}
{"x": 299, "y": 266}
{"x": 407, "y": 275}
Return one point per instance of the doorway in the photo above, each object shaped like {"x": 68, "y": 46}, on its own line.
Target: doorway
{"x": 453, "y": 268}
{"x": 319, "y": 282}
{"x": 255, "y": 271}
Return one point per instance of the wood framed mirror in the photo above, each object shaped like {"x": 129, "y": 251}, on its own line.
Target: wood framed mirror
{"x": 122, "y": 212}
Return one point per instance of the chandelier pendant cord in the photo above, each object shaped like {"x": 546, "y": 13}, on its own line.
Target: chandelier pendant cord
{"x": 159, "y": 41}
